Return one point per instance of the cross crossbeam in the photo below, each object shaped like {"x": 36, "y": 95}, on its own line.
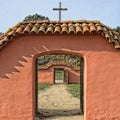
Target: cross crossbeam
{"x": 60, "y": 9}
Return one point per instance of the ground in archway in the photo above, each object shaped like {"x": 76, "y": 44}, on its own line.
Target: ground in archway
{"x": 56, "y": 103}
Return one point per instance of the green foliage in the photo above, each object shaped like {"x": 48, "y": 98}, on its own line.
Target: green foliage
{"x": 74, "y": 89}
{"x": 59, "y": 75}
{"x": 71, "y": 60}
{"x": 43, "y": 86}
{"x": 1, "y": 33}
{"x": 35, "y": 17}
{"x": 117, "y": 29}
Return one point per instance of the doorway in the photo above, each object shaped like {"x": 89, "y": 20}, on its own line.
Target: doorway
{"x": 61, "y": 75}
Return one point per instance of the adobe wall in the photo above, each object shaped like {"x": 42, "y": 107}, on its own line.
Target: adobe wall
{"x": 47, "y": 75}
{"x": 101, "y": 74}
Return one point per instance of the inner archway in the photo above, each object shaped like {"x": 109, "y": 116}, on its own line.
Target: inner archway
{"x": 81, "y": 83}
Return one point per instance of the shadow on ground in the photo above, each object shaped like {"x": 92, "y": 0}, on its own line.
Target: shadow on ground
{"x": 58, "y": 112}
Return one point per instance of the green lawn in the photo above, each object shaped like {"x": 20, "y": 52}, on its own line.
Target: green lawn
{"x": 74, "y": 89}
{"x": 43, "y": 86}
{"x": 59, "y": 75}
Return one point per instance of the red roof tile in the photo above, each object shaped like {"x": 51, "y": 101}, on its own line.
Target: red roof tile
{"x": 67, "y": 27}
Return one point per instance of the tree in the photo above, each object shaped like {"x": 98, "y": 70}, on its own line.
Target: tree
{"x": 35, "y": 17}
{"x": 71, "y": 60}
{"x": 1, "y": 33}
{"x": 117, "y": 29}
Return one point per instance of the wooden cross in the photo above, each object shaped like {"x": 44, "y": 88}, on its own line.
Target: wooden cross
{"x": 60, "y": 9}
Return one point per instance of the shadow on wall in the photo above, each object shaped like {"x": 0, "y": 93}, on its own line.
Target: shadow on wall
{"x": 74, "y": 76}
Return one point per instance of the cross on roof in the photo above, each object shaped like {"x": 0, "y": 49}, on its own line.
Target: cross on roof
{"x": 60, "y": 9}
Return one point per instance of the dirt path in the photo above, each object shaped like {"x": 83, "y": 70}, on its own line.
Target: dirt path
{"x": 56, "y": 103}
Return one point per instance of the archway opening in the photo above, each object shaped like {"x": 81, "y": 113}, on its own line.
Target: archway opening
{"x": 59, "y": 75}
{"x": 54, "y": 78}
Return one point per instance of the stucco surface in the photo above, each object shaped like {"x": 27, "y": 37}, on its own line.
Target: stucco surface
{"x": 47, "y": 75}
{"x": 101, "y": 74}
{"x": 15, "y": 95}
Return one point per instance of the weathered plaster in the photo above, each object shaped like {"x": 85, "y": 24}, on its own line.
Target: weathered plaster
{"x": 101, "y": 74}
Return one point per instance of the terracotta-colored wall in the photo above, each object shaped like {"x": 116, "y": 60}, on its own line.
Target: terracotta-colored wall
{"x": 15, "y": 94}
{"x": 101, "y": 74}
{"x": 47, "y": 76}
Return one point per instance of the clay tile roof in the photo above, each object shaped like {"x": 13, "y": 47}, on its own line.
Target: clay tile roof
{"x": 64, "y": 27}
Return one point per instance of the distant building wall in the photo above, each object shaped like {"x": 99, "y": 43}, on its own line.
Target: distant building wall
{"x": 47, "y": 75}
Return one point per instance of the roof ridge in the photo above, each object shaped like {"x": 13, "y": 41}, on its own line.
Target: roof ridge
{"x": 64, "y": 21}
{"x": 65, "y": 27}
{"x": 36, "y": 21}
{"x": 53, "y": 22}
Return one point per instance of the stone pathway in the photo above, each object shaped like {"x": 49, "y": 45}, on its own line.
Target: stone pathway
{"x": 56, "y": 103}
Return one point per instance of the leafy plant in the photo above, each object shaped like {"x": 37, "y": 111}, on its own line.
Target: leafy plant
{"x": 35, "y": 17}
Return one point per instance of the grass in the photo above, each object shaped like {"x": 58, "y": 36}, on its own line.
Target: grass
{"x": 74, "y": 89}
{"x": 43, "y": 86}
{"x": 59, "y": 75}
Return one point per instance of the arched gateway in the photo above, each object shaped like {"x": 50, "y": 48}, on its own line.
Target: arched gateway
{"x": 96, "y": 43}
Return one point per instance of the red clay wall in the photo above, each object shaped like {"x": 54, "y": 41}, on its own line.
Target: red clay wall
{"x": 101, "y": 74}
{"x": 15, "y": 94}
{"x": 47, "y": 76}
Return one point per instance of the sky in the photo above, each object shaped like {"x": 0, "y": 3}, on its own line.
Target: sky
{"x": 14, "y": 11}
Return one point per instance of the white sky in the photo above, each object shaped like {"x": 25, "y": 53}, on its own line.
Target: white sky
{"x": 13, "y": 11}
